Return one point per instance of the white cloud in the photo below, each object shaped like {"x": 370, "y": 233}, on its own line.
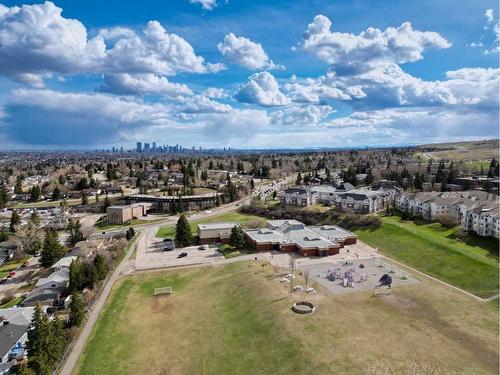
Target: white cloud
{"x": 142, "y": 84}
{"x": 489, "y": 15}
{"x": 205, "y": 4}
{"x": 47, "y": 117}
{"x": 359, "y": 52}
{"x": 263, "y": 89}
{"x": 389, "y": 86}
{"x": 37, "y": 40}
{"x": 244, "y": 52}
{"x": 309, "y": 115}
{"x": 201, "y": 104}
{"x": 216, "y": 93}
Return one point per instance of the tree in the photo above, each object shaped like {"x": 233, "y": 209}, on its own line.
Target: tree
{"x": 237, "y": 238}
{"x": 18, "y": 188}
{"x": 34, "y": 219}
{"x": 182, "y": 232}
{"x": 35, "y": 193}
{"x": 252, "y": 184}
{"x": 298, "y": 181}
{"x": 76, "y": 310}
{"x": 85, "y": 199}
{"x": 56, "y": 194}
{"x": 307, "y": 276}
{"x": 369, "y": 177}
{"x": 15, "y": 220}
{"x": 231, "y": 191}
{"x": 28, "y": 238}
{"x": 74, "y": 232}
{"x": 91, "y": 275}
{"x": 77, "y": 278}
{"x": 130, "y": 233}
{"x": 52, "y": 250}
{"x": 4, "y": 197}
{"x": 100, "y": 266}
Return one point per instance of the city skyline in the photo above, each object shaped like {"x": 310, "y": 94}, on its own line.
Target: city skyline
{"x": 215, "y": 74}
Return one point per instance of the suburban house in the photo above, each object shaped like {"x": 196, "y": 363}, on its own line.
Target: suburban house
{"x": 175, "y": 203}
{"x": 215, "y": 232}
{"x": 294, "y": 236}
{"x": 14, "y": 323}
{"x": 124, "y": 214}
{"x": 475, "y": 211}
{"x": 44, "y": 297}
{"x": 56, "y": 280}
{"x": 64, "y": 263}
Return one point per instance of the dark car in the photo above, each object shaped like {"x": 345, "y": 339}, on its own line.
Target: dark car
{"x": 182, "y": 255}
{"x": 168, "y": 248}
{"x": 3, "y": 281}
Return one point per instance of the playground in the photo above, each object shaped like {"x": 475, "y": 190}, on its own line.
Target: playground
{"x": 238, "y": 319}
{"x": 351, "y": 276}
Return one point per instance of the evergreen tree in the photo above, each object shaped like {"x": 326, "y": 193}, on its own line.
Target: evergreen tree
{"x": 369, "y": 177}
{"x": 91, "y": 275}
{"x": 77, "y": 278}
{"x": 18, "y": 188}
{"x": 231, "y": 192}
{"x": 444, "y": 186}
{"x": 130, "y": 233}
{"x": 100, "y": 266}
{"x": 74, "y": 232}
{"x": 298, "y": 181}
{"x": 182, "y": 232}
{"x": 52, "y": 250}
{"x": 418, "y": 182}
{"x": 85, "y": 199}
{"x": 76, "y": 310}
{"x": 237, "y": 238}
{"x": 15, "y": 220}
{"x": 4, "y": 197}
{"x": 252, "y": 184}
{"x": 35, "y": 193}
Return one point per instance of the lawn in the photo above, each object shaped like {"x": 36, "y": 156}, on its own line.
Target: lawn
{"x": 10, "y": 266}
{"x": 244, "y": 220}
{"x": 471, "y": 264}
{"x": 13, "y": 302}
{"x": 236, "y": 319}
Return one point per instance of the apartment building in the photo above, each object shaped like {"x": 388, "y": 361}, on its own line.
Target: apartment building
{"x": 475, "y": 211}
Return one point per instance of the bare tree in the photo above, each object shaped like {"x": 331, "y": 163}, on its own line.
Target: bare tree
{"x": 306, "y": 276}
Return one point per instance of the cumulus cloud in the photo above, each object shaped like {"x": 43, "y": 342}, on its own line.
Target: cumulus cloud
{"x": 489, "y": 44}
{"x": 216, "y": 93}
{"x": 301, "y": 115}
{"x": 142, "y": 84}
{"x": 358, "y": 52}
{"x": 244, "y": 52}
{"x": 201, "y": 104}
{"x": 205, "y": 4}
{"x": 47, "y": 117}
{"x": 489, "y": 15}
{"x": 263, "y": 89}
{"x": 37, "y": 40}
{"x": 389, "y": 86}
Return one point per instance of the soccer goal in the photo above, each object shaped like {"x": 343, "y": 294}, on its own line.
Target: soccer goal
{"x": 164, "y": 290}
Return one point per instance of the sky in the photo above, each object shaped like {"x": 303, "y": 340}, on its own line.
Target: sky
{"x": 247, "y": 74}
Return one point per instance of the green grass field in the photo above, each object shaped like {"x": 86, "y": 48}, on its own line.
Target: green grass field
{"x": 471, "y": 264}
{"x": 13, "y": 302}
{"x": 236, "y": 319}
{"x": 244, "y": 220}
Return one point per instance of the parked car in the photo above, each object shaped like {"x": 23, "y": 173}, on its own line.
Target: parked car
{"x": 202, "y": 247}
{"x": 3, "y": 281}
{"x": 26, "y": 264}
{"x": 11, "y": 274}
{"x": 168, "y": 248}
{"x": 182, "y": 255}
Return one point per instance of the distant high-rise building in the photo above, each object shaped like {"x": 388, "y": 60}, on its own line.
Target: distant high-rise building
{"x": 146, "y": 147}
{"x": 139, "y": 147}
{"x": 121, "y": 149}
{"x": 154, "y": 146}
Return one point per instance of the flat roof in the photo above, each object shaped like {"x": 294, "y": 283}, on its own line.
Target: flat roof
{"x": 218, "y": 225}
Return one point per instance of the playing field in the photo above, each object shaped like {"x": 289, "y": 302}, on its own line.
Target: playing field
{"x": 471, "y": 264}
{"x": 236, "y": 319}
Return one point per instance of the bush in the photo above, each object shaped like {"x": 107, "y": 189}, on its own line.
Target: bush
{"x": 447, "y": 221}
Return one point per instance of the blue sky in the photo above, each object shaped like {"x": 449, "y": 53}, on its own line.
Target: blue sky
{"x": 258, "y": 74}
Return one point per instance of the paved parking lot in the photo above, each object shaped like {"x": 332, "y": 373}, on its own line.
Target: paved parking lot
{"x": 150, "y": 254}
